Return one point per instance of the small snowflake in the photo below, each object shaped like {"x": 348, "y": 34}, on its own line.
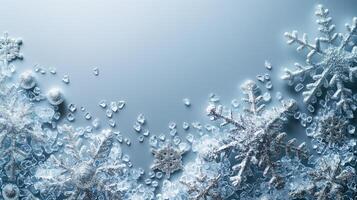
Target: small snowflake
{"x": 329, "y": 127}
{"x": 9, "y": 48}
{"x": 168, "y": 159}
{"x": 332, "y": 69}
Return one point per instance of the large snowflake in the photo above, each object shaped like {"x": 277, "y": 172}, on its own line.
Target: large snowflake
{"x": 79, "y": 170}
{"x": 332, "y": 68}
{"x": 256, "y": 136}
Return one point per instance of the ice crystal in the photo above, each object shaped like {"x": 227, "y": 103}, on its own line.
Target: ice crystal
{"x": 168, "y": 158}
{"x": 330, "y": 178}
{"x": 331, "y": 63}
{"x": 329, "y": 127}
{"x": 80, "y": 167}
{"x": 9, "y": 48}
{"x": 256, "y": 136}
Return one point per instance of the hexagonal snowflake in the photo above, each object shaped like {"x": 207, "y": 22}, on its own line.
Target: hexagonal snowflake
{"x": 168, "y": 159}
{"x": 256, "y": 139}
{"x": 330, "y": 70}
{"x": 9, "y": 48}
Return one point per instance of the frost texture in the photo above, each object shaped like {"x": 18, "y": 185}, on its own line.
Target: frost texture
{"x": 330, "y": 64}
{"x": 246, "y": 156}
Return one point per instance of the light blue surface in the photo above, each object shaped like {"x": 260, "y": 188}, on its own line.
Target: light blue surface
{"x": 152, "y": 54}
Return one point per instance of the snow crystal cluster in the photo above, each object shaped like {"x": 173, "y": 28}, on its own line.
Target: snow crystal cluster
{"x": 244, "y": 152}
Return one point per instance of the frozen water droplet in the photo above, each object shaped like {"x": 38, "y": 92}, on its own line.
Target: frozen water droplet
{"x": 299, "y": 87}
{"x": 126, "y": 158}
{"x": 52, "y": 70}
{"x": 162, "y": 137}
{"x": 268, "y": 65}
{"x": 96, "y": 123}
{"x": 54, "y": 96}
{"x": 189, "y": 137}
{"x": 127, "y": 141}
{"x": 56, "y": 116}
{"x": 172, "y": 125}
{"x": 141, "y": 138}
{"x": 72, "y": 107}
{"x": 269, "y": 85}
{"x": 213, "y": 98}
{"x": 267, "y": 77}
{"x": 266, "y": 96}
{"x": 65, "y": 79}
{"x": 114, "y": 106}
{"x": 27, "y": 80}
{"x": 235, "y": 103}
{"x": 177, "y": 140}
{"x": 87, "y": 116}
{"x": 95, "y": 71}
{"x": 197, "y": 125}
{"x": 297, "y": 115}
{"x": 153, "y": 141}
{"x": 146, "y": 133}
{"x": 187, "y": 102}
{"x": 141, "y": 119}
{"x": 121, "y": 104}
{"x": 310, "y": 108}
{"x": 351, "y": 129}
{"x": 137, "y": 126}
{"x": 109, "y": 113}
{"x": 260, "y": 78}
{"x": 112, "y": 123}
{"x": 70, "y": 117}
{"x": 103, "y": 103}
{"x": 185, "y": 126}
{"x": 159, "y": 175}
{"x": 184, "y": 147}
{"x": 309, "y": 131}
{"x": 173, "y": 132}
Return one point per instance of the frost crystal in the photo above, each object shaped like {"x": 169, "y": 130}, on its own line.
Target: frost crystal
{"x": 331, "y": 63}
{"x": 256, "y": 136}
{"x": 9, "y": 48}
{"x": 168, "y": 158}
{"x": 82, "y": 165}
{"x": 329, "y": 179}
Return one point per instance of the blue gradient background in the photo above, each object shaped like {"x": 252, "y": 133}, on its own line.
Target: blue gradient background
{"x": 154, "y": 53}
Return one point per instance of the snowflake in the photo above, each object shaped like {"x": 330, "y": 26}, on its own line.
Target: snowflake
{"x": 329, "y": 127}
{"x": 168, "y": 159}
{"x": 332, "y": 68}
{"x": 80, "y": 167}
{"x": 256, "y": 137}
{"x": 330, "y": 178}
{"x": 201, "y": 179}
{"x": 9, "y": 48}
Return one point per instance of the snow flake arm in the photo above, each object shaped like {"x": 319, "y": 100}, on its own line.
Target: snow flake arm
{"x": 352, "y": 31}
{"x": 253, "y": 97}
{"x": 326, "y": 27}
{"x": 303, "y": 43}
